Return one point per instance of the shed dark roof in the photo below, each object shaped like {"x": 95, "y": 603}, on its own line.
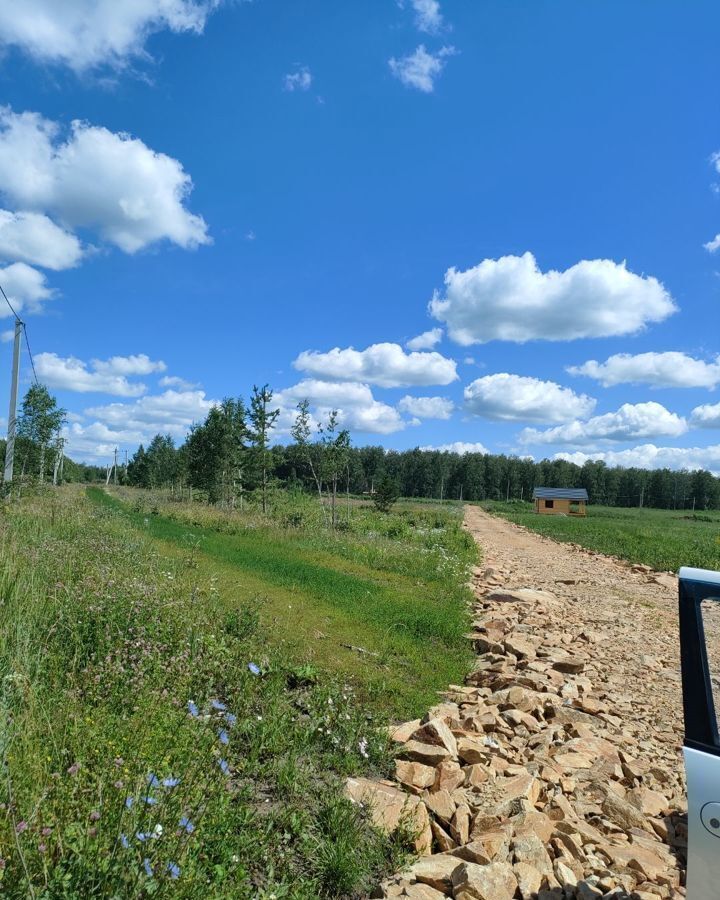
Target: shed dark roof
{"x": 541, "y": 493}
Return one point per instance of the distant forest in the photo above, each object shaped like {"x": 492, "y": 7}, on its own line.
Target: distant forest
{"x": 229, "y": 457}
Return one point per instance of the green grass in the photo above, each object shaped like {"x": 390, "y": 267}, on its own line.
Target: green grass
{"x": 394, "y": 586}
{"x": 663, "y": 539}
{"x": 111, "y": 625}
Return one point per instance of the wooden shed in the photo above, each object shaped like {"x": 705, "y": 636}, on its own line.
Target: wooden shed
{"x": 560, "y": 501}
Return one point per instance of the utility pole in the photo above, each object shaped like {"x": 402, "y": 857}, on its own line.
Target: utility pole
{"x": 642, "y": 495}
{"x": 115, "y": 468}
{"x": 12, "y": 414}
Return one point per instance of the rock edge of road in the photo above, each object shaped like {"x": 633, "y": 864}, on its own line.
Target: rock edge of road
{"x": 555, "y": 771}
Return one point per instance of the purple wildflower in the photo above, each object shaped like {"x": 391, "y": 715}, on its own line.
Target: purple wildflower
{"x": 148, "y": 867}
{"x": 46, "y": 831}
{"x": 124, "y": 841}
{"x": 141, "y": 836}
{"x": 170, "y": 782}
{"x": 129, "y": 802}
{"x": 21, "y": 826}
{"x": 187, "y": 825}
{"x": 152, "y": 780}
{"x": 74, "y": 769}
{"x": 254, "y": 668}
{"x": 231, "y": 719}
{"x": 192, "y": 709}
{"x": 173, "y": 869}
{"x": 216, "y": 704}
{"x": 224, "y": 767}
{"x": 42, "y": 848}
{"x": 223, "y": 736}
{"x": 150, "y": 801}
{"x": 94, "y": 816}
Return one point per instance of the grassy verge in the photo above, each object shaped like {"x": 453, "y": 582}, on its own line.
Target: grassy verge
{"x": 156, "y": 739}
{"x": 663, "y": 539}
{"x": 392, "y": 586}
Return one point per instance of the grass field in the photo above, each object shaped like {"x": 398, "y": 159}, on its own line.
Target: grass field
{"x": 663, "y": 539}
{"x": 393, "y": 586}
{"x": 168, "y": 728}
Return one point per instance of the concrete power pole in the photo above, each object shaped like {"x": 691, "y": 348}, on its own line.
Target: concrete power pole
{"x": 115, "y": 468}
{"x": 12, "y": 414}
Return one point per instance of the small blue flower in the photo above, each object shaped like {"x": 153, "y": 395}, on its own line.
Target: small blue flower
{"x": 187, "y": 825}
{"x": 124, "y": 841}
{"x": 173, "y": 869}
{"x": 152, "y": 780}
{"x": 192, "y": 709}
{"x": 231, "y": 719}
{"x": 170, "y": 782}
{"x": 216, "y": 704}
{"x": 224, "y": 767}
{"x": 148, "y": 867}
{"x": 150, "y": 801}
{"x": 129, "y": 802}
{"x": 141, "y": 836}
{"x": 254, "y": 668}
{"x": 223, "y": 736}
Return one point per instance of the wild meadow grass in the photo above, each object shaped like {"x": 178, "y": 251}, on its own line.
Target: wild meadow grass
{"x": 156, "y": 737}
{"x": 382, "y": 599}
{"x": 663, "y": 539}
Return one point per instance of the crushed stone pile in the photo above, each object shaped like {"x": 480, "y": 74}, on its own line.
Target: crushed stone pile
{"x": 555, "y": 770}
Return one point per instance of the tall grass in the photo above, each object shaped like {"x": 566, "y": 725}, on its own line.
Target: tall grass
{"x": 392, "y": 585}
{"x": 152, "y": 741}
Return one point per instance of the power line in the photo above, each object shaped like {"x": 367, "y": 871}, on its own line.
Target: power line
{"x": 12, "y": 310}
{"x": 27, "y": 344}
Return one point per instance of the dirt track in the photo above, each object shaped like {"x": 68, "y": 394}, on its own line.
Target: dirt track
{"x": 631, "y": 620}
{"x": 555, "y": 771}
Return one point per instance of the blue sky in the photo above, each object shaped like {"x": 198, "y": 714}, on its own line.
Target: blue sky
{"x": 250, "y": 185}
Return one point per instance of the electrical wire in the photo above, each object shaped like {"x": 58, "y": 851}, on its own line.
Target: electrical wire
{"x": 27, "y": 344}
{"x": 9, "y": 303}
{"x": 24, "y": 328}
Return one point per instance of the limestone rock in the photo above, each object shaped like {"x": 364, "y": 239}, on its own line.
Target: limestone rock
{"x": 495, "y": 881}
{"x": 389, "y": 807}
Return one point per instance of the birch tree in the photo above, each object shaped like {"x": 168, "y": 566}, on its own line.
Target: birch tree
{"x": 262, "y": 421}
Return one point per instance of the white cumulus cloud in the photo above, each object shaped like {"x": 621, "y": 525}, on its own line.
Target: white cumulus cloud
{"x": 72, "y": 374}
{"x": 425, "y": 341}
{"x": 461, "y": 447}
{"x": 659, "y": 370}
{"x": 427, "y": 407}
{"x": 706, "y": 416}
{"x": 175, "y": 381}
{"x": 137, "y": 364}
{"x": 714, "y": 244}
{"x": 510, "y": 299}
{"x": 631, "y": 422}
{"x": 25, "y": 287}
{"x": 172, "y": 412}
{"x": 83, "y": 34}
{"x": 385, "y": 364}
{"x": 33, "y": 238}
{"x": 138, "y": 421}
{"x": 428, "y": 16}
{"x": 95, "y": 178}
{"x": 421, "y": 68}
{"x": 357, "y": 409}
{"x": 299, "y": 80}
{"x": 518, "y": 398}
{"x": 649, "y": 456}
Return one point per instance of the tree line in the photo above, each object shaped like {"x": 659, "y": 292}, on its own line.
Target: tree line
{"x": 230, "y": 456}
